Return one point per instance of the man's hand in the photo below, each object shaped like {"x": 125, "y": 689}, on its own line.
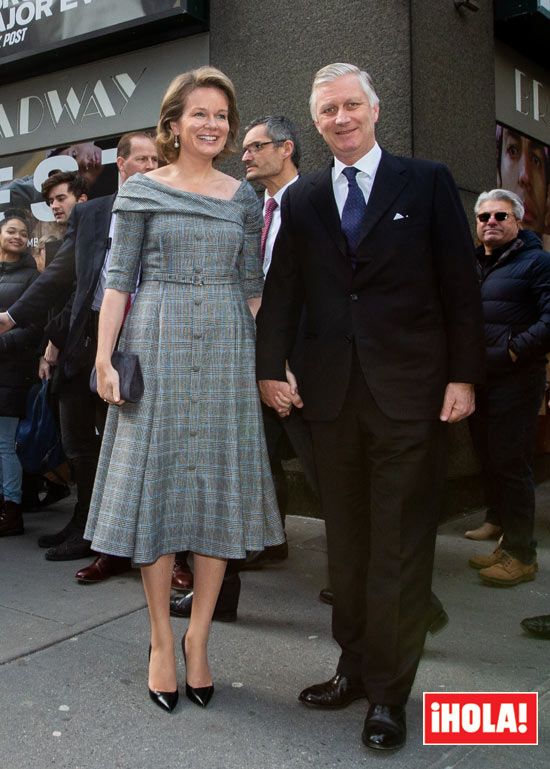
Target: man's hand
{"x": 44, "y": 368}
{"x": 51, "y": 354}
{"x": 459, "y": 402}
{"x": 5, "y": 322}
{"x": 280, "y": 396}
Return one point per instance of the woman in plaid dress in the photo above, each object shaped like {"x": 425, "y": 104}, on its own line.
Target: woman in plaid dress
{"x": 186, "y": 467}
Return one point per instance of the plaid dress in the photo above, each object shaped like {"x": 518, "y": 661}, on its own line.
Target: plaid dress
{"x": 186, "y": 468}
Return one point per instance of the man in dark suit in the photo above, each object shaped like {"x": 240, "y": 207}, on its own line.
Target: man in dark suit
{"x": 378, "y": 250}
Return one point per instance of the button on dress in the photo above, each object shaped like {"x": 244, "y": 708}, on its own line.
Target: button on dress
{"x": 186, "y": 468}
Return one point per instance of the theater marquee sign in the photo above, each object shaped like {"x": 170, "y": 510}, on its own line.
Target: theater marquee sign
{"x": 104, "y": 98}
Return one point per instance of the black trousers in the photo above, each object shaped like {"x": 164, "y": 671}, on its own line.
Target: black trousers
{"x": 503, "y": 429}
{"x": 82, "y": 418}
{"x": 380, "y": 483}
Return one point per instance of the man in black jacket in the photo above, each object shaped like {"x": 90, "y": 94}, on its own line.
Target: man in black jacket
{"x": 377, "y": 249}
{"x": 514, "y": 274}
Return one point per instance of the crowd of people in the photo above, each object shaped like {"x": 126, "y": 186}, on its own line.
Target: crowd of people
{"x": 377, "y": 326}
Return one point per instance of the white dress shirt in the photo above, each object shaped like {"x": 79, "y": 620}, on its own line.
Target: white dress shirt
{"x": 275, "y": 223}
{"x": 100, "y": 287}
{"x": 367, "y": 165}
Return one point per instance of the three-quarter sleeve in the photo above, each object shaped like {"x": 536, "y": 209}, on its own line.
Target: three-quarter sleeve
{"x": 250, "y": 264}
{"x": 126, "y": 250}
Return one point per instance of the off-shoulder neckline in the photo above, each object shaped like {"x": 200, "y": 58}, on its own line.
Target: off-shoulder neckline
{"x": 194, "y": 194}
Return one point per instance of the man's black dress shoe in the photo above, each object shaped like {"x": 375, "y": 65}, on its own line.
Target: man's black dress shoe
{"x": 257, "y": 559}
{"x": 339, "y": 692}
{"x": 437, "y": 620}
{"x": 73, "y": 548}
{"x": 385, "y": 727}
{"x": 539, "y": 626}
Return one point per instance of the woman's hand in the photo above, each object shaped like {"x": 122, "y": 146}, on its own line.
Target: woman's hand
{"x": 108, "y": 384}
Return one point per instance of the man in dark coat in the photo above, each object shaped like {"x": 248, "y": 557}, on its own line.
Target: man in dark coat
{"x": 378, "y": 250}
{"x": 514, "y": 274}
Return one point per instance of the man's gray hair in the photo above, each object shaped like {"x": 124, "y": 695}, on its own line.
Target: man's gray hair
{"x": 510, "y": 197}
{"x": 280, "y": 128}
{"x": 332, "y": 72}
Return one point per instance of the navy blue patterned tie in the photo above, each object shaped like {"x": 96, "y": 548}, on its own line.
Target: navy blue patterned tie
{"x": 353, "y": 213}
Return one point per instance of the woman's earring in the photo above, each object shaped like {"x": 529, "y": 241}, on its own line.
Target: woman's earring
{"x": 176, "y": 142}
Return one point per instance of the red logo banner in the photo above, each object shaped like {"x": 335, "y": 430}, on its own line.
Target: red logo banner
{"x": 481, "y": 718}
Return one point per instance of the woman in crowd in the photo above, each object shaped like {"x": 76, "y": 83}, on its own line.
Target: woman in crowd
{"x": 18, "y": 364}
{"x": 186, "y": 467}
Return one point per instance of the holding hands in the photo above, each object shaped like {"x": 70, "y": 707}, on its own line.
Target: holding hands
{"x": 281, "y": 396}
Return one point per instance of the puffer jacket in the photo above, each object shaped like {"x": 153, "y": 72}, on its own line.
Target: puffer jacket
{"x": 515, "y": 292}
{"x": 18, "y": 347}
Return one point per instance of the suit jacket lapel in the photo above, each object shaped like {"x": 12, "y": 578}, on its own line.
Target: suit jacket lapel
{"x": 322, "y": 198}
{"x": 389, "y": 181}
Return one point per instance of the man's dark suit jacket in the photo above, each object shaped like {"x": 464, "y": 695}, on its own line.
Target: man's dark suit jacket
{"x": 80, "y": 258}
{"x": 412, "y": 305}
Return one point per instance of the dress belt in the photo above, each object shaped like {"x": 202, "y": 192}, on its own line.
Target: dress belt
{"x": 197, "y": 279}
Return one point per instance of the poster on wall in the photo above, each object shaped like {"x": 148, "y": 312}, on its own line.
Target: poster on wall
{"x": 523, "y": 167}
{"x": 22, "y": 176}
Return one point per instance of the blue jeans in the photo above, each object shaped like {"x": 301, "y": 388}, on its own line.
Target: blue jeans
{"x": 11, "y": 472}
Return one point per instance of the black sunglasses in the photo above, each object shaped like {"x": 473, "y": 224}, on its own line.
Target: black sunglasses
{"x": 500, "y": 216}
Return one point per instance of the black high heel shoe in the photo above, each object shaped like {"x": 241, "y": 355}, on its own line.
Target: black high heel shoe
{"x": 200, "y": 695}
{"x": 165, "y": 700}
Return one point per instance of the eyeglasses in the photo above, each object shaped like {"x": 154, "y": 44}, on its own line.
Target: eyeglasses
{"x": 500, "y": 216}
{"x": 255, "y": 147}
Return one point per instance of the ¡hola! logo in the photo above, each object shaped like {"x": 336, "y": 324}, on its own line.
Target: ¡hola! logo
{"x": 481, "y": 718}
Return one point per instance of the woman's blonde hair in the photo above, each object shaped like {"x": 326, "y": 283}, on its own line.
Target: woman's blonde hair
{"x": 173, "y": 104}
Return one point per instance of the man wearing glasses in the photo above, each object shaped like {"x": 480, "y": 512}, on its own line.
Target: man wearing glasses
{"x": 514, "y": 274}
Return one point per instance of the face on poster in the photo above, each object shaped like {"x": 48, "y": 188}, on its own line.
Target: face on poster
{"x": 523, "y": 167}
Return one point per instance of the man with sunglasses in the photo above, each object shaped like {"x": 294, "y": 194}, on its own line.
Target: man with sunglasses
{"x": 514, "y": 274}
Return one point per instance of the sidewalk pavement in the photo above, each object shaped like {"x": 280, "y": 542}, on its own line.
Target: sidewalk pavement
{"x": 73, "y": 662}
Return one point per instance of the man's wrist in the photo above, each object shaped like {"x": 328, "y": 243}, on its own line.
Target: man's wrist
{"x": 11, "y": 319}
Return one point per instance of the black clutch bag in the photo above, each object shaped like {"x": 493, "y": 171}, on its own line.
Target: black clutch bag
{"x": 129, "y": 373}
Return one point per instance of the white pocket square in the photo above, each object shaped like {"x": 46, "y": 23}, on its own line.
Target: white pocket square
{"x": 400, "y": 216}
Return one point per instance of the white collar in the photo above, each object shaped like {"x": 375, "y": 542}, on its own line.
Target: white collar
{"x": 368, "y": 163}
{"x": 279, "y": 194}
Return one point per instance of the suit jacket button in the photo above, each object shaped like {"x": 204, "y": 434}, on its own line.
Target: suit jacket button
{"x": 353, "y": 297}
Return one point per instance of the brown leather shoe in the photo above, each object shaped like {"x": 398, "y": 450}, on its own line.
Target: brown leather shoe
{"x": 11, "y": 520}
{"x": 102, "y": 568}
{"x": 484, "y": 561}
{"x": 509, "y": 571}
{"x": 485, "y": 531}
{"x": 339, "y": 692}
{"x": 182, "y": 577}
